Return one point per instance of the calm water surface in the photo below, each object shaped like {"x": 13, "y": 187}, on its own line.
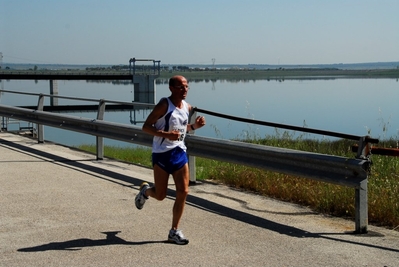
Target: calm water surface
{"x": 352, "y": 106}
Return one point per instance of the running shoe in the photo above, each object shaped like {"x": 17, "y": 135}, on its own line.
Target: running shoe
{"x": 141, "y": 198}
{"x": 177, "y": 237}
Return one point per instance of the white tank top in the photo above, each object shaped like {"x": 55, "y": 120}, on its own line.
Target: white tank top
{"x": 174, "y": 119}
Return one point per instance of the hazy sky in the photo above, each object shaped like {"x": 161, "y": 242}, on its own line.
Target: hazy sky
{"x": 195, "y": 31}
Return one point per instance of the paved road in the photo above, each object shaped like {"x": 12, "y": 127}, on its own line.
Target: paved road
{"x": 60, "y": 207}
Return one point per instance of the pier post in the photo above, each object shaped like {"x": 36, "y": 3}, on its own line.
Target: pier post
{"x": 54, "y": 91}
{"x": 144, "y": 88}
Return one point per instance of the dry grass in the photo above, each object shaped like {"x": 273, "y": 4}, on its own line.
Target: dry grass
{"x": 383, "y": 183}
{"x": 383, "y": 187}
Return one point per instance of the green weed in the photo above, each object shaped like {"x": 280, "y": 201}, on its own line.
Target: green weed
{"x": 383, "y": 186}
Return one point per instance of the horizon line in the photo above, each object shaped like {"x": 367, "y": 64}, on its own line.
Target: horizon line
{"x": 292, "y": 64}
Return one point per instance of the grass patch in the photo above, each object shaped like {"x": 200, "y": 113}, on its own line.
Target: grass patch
{"x": 138, "y": 155}
{"x": 383, "y": 187}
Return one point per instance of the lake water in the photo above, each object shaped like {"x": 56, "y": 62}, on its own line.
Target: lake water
{"x": 351, "y": 106}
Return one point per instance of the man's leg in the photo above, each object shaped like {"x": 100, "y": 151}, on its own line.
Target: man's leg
{"x": 182, "y": 179}
{"x": 157, "y": 191}
{"x": 160, "y": 187}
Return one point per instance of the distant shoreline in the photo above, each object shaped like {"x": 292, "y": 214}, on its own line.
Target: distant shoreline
{"x": 213, "y": 74}
{"x": 341, "y": 66}
{"x": 284, "y": 74}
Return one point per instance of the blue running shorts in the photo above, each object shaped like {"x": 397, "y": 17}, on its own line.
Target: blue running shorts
{"x": 170, "y": 161}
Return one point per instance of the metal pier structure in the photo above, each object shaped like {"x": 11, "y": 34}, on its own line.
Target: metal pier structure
{"x": 141, "y": 75}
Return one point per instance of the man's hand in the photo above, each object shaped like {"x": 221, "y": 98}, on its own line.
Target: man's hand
{"x": 174, "y": 135}
{"x": 199, "y": 122}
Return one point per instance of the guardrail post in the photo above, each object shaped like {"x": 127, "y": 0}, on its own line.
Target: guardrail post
{"x": 191, "y": 159}
{"x": 99, "y": 139}
{"x": 364, "y": 148}
{"x": 361, "y": 208}
{"x": 40, "y": 127}
{"x": 361, "y": 198}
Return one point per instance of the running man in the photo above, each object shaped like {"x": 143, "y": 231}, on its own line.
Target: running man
{"x": 168, "y": 123}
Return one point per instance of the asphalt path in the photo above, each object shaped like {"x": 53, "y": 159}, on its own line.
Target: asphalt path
{"x": 61, "y": 207}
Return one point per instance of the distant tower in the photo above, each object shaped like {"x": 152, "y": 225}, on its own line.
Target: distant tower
{"x": 213, "y": 63}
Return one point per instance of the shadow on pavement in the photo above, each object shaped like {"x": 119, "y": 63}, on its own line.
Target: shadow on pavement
{"x": 194, "y": 201}
{"x": 78, "y": 244}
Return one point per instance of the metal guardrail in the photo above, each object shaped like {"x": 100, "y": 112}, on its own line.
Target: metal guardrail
{"x": 327, "y": 168}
